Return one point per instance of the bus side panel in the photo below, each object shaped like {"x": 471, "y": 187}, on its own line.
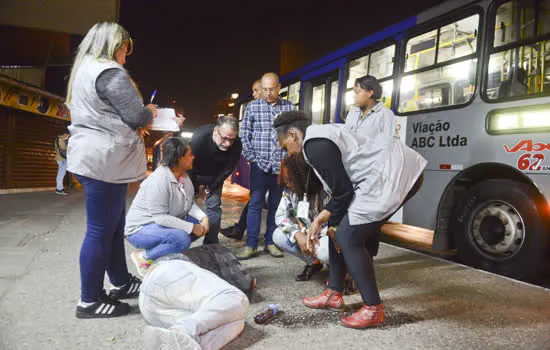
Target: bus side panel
{"x": 421, "y": 210}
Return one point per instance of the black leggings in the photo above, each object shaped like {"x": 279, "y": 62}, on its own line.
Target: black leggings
{"x": 358, "y": 243}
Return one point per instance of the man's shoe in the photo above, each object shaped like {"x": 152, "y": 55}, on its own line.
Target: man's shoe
{"x": 309, "y": 271}
{"x": 61, "y": 192}
{"x": 329, "y": 299}
{"x": 367, "y": 316}
{"x": 231, "y": 232}
{"x": 247, "y": 253}
{"x": 273, "y": 250}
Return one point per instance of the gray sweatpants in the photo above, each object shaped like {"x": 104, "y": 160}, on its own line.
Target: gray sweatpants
{"x": 180, "y": 295}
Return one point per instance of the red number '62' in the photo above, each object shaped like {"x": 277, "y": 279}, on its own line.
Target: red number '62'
{"x": 530, "y": 161}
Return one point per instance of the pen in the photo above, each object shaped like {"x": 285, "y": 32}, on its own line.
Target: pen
{"x": 153, "y": 96}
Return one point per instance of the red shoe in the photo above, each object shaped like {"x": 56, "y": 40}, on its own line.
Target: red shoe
{"x": 329, "y": 299}
{"x": 367, "y": 316}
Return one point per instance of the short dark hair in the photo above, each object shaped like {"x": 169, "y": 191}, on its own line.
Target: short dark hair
{"x": 232, "y": 122}
{"x": 173, "y": 148}
{"x": 368, "y": 83}
{"x": 290, "y": 119}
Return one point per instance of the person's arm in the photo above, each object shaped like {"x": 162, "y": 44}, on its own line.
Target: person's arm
{"x": 334, "y": 175}
{"x": 157, "y": 197}
{"x": 115, "y": 88}
{"x": 231, "y": 164}
{"x": 388, "y": 122}
{"x": 246, "y": 134}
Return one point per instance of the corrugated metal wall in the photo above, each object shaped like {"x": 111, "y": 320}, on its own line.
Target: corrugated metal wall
{"x": 27, "y": 149}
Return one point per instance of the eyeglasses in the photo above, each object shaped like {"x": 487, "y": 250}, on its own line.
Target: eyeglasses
{"x": 225, "y": 139}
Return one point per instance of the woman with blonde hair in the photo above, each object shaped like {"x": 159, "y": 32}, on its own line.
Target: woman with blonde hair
{"x": 105, "y": 154}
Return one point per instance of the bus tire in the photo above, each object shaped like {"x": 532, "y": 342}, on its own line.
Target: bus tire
{"x": 500, "y": 228}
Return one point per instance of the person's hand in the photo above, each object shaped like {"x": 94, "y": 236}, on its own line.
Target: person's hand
{"x": 180, "y": 119}
{"x": 301, "y": 239}
{"x": 202, "y": 193}
{"x": 313, "y": 232}
{"x": 205, "y": 223}
{"x": 153, "y": 109}
{"x": 198, "y": 230}
{"x": 144, "y": 132}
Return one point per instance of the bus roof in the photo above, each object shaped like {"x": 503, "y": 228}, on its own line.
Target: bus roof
{"x": 388, "y": 32}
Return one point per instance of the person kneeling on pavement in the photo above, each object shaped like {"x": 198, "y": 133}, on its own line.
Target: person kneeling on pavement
{"x": 195, "y": 300}
{"x": 368, "y": 179}
{"x": 163, "y": 217}
{"x": 297, "y": 180}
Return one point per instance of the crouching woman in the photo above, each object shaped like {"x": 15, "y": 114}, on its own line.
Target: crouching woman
{"x": 164, "y": 217}
{"x": 368, "y": 180}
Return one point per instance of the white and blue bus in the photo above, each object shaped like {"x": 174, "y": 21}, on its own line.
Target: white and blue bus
{"x": 469, "y": 82}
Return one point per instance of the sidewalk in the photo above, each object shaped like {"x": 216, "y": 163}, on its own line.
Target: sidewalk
{"x": 430, "y": 303}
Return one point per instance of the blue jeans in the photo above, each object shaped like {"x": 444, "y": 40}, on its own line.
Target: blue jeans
{"x": 103, "y": 247}
{"x": 213, "y": 210}
{"x": 241, "y": 225}
{"x": 160, "y": 240}
{"x": 61, "y": 171}
{"x": 260, "y": 183}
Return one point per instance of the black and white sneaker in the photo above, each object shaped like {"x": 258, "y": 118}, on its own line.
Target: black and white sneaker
{"x": 128, "y": 291}
{"x": 105, "y": 307}
{"x": 61, "y": 192}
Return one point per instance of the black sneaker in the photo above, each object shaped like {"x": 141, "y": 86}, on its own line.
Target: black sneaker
{"x": 61, "y": 192}
{"x": 129, "y": 291}
{"x": 231, "y": 232}
{"x": 105, "y": 307}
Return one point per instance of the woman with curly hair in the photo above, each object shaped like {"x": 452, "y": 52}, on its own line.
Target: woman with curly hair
{"x": 297, "y": 179}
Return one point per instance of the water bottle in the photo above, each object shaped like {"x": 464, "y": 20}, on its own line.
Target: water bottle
{"x": 268, "y": 314}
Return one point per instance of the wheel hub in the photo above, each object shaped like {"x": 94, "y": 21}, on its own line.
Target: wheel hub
{"x": 498, "y": 230}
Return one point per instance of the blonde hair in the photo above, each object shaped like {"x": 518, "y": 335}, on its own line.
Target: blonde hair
{"x": 103, "y": 40}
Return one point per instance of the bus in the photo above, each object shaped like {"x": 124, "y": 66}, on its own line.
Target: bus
{"x": 469, "y": 83}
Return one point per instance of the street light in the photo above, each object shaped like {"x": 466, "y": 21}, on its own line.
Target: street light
{"x": 235, "y": 95}
{"x": 231, "y": 104}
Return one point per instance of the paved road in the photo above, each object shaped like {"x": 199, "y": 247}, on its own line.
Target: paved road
{"x": 430, "y": 303}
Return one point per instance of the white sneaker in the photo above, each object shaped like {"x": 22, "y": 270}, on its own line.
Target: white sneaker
{"x": 141, "y": 264}
{"x": 167, "y": 339}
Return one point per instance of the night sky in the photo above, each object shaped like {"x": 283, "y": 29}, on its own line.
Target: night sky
{"x": 200, "y": 52}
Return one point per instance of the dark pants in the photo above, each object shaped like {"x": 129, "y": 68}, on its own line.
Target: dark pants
{"x": 213, "y": 210}
{"x": 260, "y": 183}
{"x": 103, "y": 247}
{"x": 241, "y": 225}
{"x": 358, "y": 244}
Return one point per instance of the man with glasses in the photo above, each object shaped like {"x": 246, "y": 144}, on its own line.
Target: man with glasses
{"x": 217, "y": 149}
{"x": 262, "y": 150}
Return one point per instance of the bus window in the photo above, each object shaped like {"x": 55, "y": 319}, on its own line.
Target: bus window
{"x": 318, "y": 104}
{"x": 520, "y": 68}
{"x": 333, "y": 101}
{"x": 294, "y": 93}
{"x": 379, "y": 64}
{"x": 533, "y": 21}
{"x": 421, "y": 51}
{"x": 446, "y": 84}
{"x": 283, "y": 93}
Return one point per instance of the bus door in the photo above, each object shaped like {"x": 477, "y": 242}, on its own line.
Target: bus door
{"x": 321, "y": 98}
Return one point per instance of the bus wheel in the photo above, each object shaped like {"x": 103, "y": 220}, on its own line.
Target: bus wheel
{"x": 500, "y": 228}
